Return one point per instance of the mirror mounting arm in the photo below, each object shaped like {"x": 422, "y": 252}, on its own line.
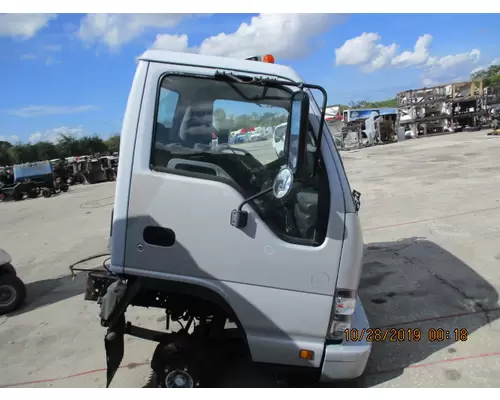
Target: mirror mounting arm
{"x": 239, "y": 217}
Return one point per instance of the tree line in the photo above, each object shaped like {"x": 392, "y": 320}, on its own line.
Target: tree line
{"x": 490, "y": 76}
{"x": 389, "y": 103}
{"x": 244, "y": 121}
{"x": 65, "y": 146}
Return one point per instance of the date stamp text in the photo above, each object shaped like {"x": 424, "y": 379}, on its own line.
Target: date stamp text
{"x": 405, "y": 335}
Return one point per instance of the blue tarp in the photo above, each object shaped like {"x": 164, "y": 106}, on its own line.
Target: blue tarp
{"x": 32, "y": 170}
{"x": 355, "y": 115}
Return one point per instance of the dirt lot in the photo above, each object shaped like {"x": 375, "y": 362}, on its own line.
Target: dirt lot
{"x": 431, "y": 217}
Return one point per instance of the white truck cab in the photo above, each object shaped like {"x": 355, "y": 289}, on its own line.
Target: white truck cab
{"x": 279, "y": 139}
{"x": 257, "y": 256}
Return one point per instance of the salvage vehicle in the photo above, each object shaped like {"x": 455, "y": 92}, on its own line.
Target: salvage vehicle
{"x": 255, "y": 262}
{"x": 12, "y": 289}
{"x": 31, "y": 179}
{"x": 110, "y": 166}
{"x": 92, "y": 170}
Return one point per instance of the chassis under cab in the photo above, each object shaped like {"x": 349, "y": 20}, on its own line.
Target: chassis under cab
{"x": 256, "y": 255}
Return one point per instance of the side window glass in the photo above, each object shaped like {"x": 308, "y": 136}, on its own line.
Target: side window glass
{"x": 165, "y": 117}
{"x": 251, "y": 126}
{"x": 167, "y": 106}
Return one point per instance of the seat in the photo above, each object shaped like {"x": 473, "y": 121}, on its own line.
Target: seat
{"x": 196, "y": 127}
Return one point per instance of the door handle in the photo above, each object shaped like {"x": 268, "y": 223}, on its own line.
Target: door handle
{"x": 159, "y": 236}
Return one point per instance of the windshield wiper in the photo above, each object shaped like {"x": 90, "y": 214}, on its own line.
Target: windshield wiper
{"x": 230, "y": 79}
{"x": 225, "y": 146}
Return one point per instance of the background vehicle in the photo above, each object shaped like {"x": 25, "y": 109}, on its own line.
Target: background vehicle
{"x": 31, "y": 179}
{"x": 279, "y": 139}
{"x": 258, "y": 135}
{"x": 12, "y": 289}
{"x": 275, "y": 280}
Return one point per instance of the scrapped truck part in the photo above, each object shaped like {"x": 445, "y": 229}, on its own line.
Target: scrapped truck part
{"x": 445, "y": 108}
{"x": 366, "y": 127}
{"x": 252, "y": 251}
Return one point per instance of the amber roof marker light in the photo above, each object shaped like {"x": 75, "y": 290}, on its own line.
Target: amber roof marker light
{"x": 268, "y": 58}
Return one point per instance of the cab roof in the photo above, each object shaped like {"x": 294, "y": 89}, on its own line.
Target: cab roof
{"x": 191, "y": 59}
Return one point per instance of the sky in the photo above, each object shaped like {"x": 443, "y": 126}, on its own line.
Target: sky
{"x": 71, "y": 73}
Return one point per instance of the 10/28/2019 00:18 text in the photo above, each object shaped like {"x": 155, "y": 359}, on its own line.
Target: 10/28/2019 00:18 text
{"x": 405, "y": 335}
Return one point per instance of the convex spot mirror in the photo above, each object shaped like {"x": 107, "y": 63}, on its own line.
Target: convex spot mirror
{"x": 283, "y": 182}
{"x": 295, "y": 144}
{"x": 297, "y": 126}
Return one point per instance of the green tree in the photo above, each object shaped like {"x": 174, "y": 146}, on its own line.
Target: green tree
{"x": 92, "y": 145}
{"x": 113, "y": 143}
{"x": 389, "y": 103}
{"x": 68, "y": 145}
{"x": 46, "y": 150}
{"x": 490, "y": 76}
{"x": 23, "y": 152}
{"x": 4, "y": 153}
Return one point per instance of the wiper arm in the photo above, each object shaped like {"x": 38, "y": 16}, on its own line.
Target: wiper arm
{"x": 230, "y": 79}
{"x": 225, "y": 146}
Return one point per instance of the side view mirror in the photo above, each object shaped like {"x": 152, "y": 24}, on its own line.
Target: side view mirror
{"x": 296, "y": 136}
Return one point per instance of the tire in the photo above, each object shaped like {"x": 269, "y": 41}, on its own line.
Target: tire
{"x": 33, "y": 193}
{"x": 64, "y": 188}
{"x": 46, "y": 193}
{"x": 7, "y": 269}
{"x": 12, "y": 293}
{"x": 171, "y": 360}
{"x": 110, "y": 176}
{"x": 17, "y": 195}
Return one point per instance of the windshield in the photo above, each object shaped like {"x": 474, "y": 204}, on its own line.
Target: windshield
{"x": 220, "y": 128}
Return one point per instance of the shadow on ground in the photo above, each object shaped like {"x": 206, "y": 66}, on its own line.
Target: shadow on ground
{"x": 412, "y": 284}
{"x": 49, "y": 291}
{"x": 408, "y": 284}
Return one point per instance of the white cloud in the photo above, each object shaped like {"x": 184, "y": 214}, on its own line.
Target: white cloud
{"x": 365, "y": 51}
{"x": 451, "y": 61}
{"x": 28, "y": 56}
{"x": 358, "y": 50}
{"x": 171, "y": 42}
{"x": 114, "y": 30}
{"x": 11, "y": 139}
{"x": 495, "y": 61}
{"x": 45, "y": 53}
{"x": 285, "y": 36}
{"x": 450, "y": 68}
{"x": 53, "y": 47}
{"x": 383, "y": 57}
{"x": 37, "y": 111}
{"x": 52, "y": 135}
{"x": 418, "y": 56}
{"x": 426, "y": 81}
{"x": 23, "y": 26}
{"x": 51, "y": 61}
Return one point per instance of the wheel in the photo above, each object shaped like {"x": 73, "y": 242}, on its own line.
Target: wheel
{"x": 110, "y": 175}
{"x": 8, "y": 269}
{"x": 33, "y": 193}
{"x": 17, "y": 195}
{"x": 46, "y": 193}
{"x": 64, "y": 188}
{"x": 12, "y": 293}
{"x": 176, "y": 365}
